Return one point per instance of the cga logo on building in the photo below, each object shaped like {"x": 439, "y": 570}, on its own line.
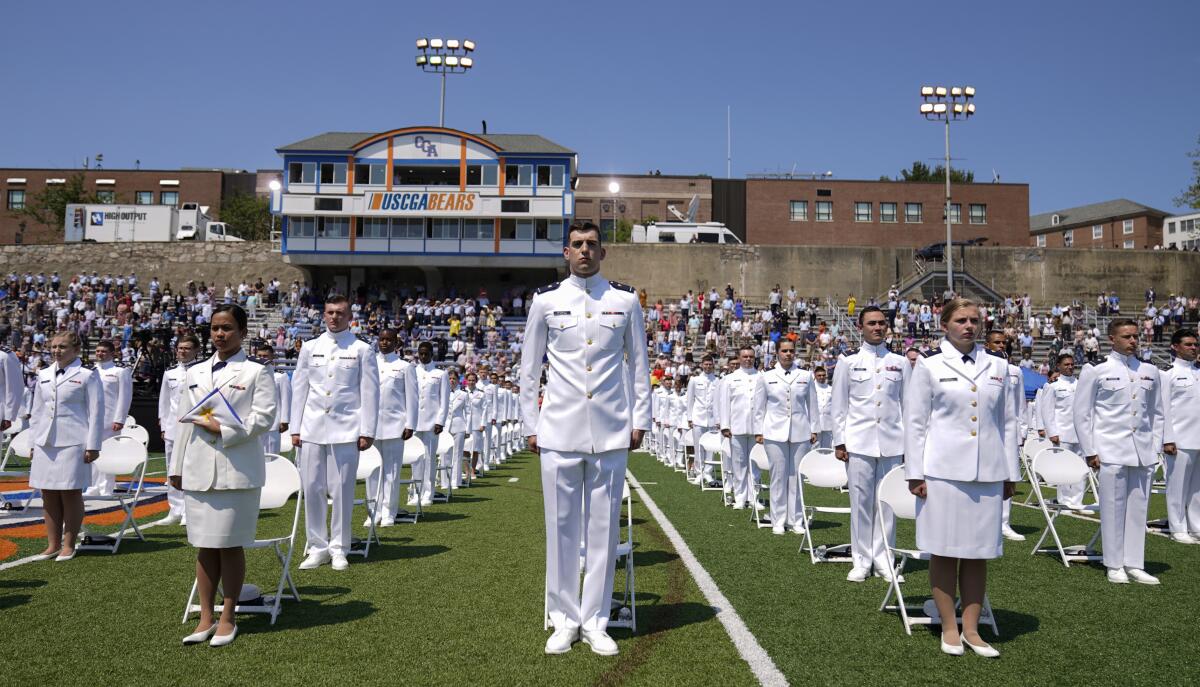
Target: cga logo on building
{"x": 97, "y": 219}
{"x": 425, "y": 146}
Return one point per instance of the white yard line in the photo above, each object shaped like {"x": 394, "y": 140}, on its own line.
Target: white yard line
{"x": 747, "y": 645}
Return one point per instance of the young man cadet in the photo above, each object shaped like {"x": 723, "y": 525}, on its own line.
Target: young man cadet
{"x": 1120, "y": 418}
{"x": 485, "y": 385}
{"x": 397, "y": 419}
{"x": 701, "y": 414}
{"x": 1181, "y": 390}
{"x": 996, "y": 344}
{"x": 868, "y": 435}
{"x": 824, "y": 407}
{"x": 118, "y": 394}
{"x": 595, "y": 411}
{"x": 433, "y": 404}
{"x": 1057, "y": 410}
{"x": 735, "y": 411}
{"x": 265, "y": 353}
{"x": 335, "y": 405}
{"x": 168, "y": 416}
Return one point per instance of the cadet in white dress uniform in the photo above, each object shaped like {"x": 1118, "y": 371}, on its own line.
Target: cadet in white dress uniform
{"x": 824, "y": 407}
{"x": 1181, "y": 388}
{"x": 271, "y": 441}
{"x": 595, "y": 410}
{"x": 679, "y": 422}
{"x": 489, "y": 412}
{"x": 118, "y": 394}
{"x": 785, "y": 417}
{"x": 457, "y": 416}
{"x": 960, "y": 435}
{"x": 169, "y": 394}
{"x": 221, "y": 468}
{"x": 996, "y": 344}
{"x": 1120, "y": 417}
{"x": 12, "y": 389}
{"x": 433, "y": 401}
{"x": 702, "y": 414}
{"x": 476, "y": 420}
{"x": 67, "y": 421}
{"x": 660, "y": 412}
{"x": 335, "y": 405}
{"x": 868, "y": 433}
{"x": 735, "y": 411}
{"x": 1039, "y": 422}
{"x": 397, "y": 420}
{"x": 1057, "y": 411}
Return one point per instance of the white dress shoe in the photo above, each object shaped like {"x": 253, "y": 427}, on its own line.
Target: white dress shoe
{"x": 387, "y": 522}
{"x": 1183, "y": 538}
{"x": 426, "y": 502}
{"x": 887, "y": 575}
{"x": 560, "y": 642}
{"x": 223, "y": 640}
{"x": 339, "y": 561}
{"x": 951, "y": 649}
{"x": 66, "y": 557}
{"x": 739, "y": 506}
{"x": 1141, "y": 576}
{"x": 169, "y": 520}
{"x": 858, "y": 575}
{"x": 778, "y": 530}
{"x": 367, "y": 522}
{"x": 1117, "y": 576}
{"x": 412, "y": 501}
{"x": 315, "y": 560}
{"x": 986, "y": 650}
{"x": 600, "y": 642}
{"x": 1012, "y": 535}
{"x": 201, "y": 636}
{"x": 44, "y": 556}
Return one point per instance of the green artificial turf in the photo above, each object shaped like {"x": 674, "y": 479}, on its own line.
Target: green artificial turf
{"x": 1058, "y": 625}
{"x": 455, "y": 599}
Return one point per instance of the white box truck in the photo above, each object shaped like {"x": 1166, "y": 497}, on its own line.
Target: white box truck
{"x": 110, "y": 223}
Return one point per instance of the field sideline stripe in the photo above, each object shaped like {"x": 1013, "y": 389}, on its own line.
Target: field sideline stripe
{"x": 747, "y": 646}
{"x": 29, "y": 559}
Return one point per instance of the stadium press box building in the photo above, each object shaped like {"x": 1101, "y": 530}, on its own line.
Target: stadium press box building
{"x": 357, "y": 206}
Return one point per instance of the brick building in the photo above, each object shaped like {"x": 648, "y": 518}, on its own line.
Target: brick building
{"x": 208, "y": 187}
{"x": 641, "y": 197}
{"x": 1117, "y": 223}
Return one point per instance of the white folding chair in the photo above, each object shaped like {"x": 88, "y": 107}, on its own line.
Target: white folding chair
{"x": 758, "y": 459}
{"x": 625, "y": 604}
{"x": 282, "y": 481}
{"x": 1054, "y": 467}
{"x": 129, "y": 420}
{"x": 444, "y": 466}
{"x": 687, "y": 445}
{"x": 137, "y": 432}
{"x": 370, "y": 462}
{"x": 820, "y": 468}
{"x": 893, "y": 494}
{"x": 678, "y": 451}
{"x": 414, "y": 451}
{"x": 1032, "y": 446}
{"x": 20, "y": 445}
{"x": 119, "y": 455}
{"x": 713, "y": 448}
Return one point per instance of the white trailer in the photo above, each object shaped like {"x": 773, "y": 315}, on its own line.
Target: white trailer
{"x": 111, "y": 223}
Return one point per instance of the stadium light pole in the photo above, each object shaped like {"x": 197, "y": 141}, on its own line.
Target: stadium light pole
{"x": 614, "y": 188}
{"x": 939, "y": 103}
{"x": 449, "y": 56}
{"x": 274, "y": 185}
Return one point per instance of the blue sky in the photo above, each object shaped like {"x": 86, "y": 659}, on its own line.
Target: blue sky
{"x": 1083, "y": 101}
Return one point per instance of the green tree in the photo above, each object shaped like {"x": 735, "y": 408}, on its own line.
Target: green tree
{"x": 922, "y": 172}
{"x": 248, "y": 216}
{"x": 48, "y": 207}
{"x": 1191, "y": 195}
{"x": 624, "y": 233}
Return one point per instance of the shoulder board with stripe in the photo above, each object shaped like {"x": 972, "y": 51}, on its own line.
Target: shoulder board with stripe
{"x": 257, "y": 359}
{"x": 195, "y": 363}
{"x": 547, "y": 287}
{"x": 623, "y": 287}
{"x": 931, "y": 352}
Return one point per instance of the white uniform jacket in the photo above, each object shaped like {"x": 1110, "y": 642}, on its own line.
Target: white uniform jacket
{"x": 168, "y": 399}
{"x": 1016, "y": 382}
{"x": 868, "y": 391}
{"x": 1039, "y": 421}
{"x": 68, "y": 409}
{"x": 12, "y": 391}
{"x": 660, "y": 403}
{"x": 1119, "y": 412}
{"x": 489, "y": 401}
{"x": 598, "y": 384}
{"x": 118, "y": 390}
{"x": 458, "y": 411}
{"x": 679, "y": 411}
{"x": 1181, "y": 390}
{"x": 335, "y": 390}
{"x": 476, "y": 411}
{"x": 824, "y": 407}
{"x": 397, "y": 396}
{"x": 701, "y": 400}
{"x": 735, "y": 408}
{"x": 234, "y": 458}
{"x": 433, "y": 397}
{"x": 1057, "y": 409}
{"x": 785, "y": 404}
{"x": 959, "y": 419}
{"x": 283, "y": 389}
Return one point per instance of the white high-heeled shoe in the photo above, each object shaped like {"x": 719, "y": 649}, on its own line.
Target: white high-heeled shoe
{"x": 952, "y": 650}
{"x": 201, "y": 636}
{"x": 223, "y": 640}
{"x": 986, "y": 650}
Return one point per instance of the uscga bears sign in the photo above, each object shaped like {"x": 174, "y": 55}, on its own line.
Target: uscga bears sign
{"x": 421, "y": 201}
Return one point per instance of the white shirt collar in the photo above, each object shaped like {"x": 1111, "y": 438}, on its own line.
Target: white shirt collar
{"x": 340, "y": 337}
{"x": 878, "y": 349}
{"x": 1127, "y": 360}
{"x": 591, "y": 282}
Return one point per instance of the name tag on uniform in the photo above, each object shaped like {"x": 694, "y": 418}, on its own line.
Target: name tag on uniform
{"x": 859, "y": 369}
{"x": 347, "y": 357}
{"x": 561, "y": 312}
{"x": 1148, "y": 379}
{"x": 235, "y": 386}
{"x": 612, "y": 312}
{"x": 996, "y": 379}
{"x": 76, "y": 381}
{"x": 1112, "y": 379}
{"x": 193, "y": 386}
{"x": 948, "y": 379}
{"x": 44, "y": 381}
{"x": 772, "y": 382}
{"x": 318, "y": 355}
{"x": 893, "y": 368}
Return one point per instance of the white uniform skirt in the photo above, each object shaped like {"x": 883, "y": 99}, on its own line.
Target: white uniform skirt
{"x": 961, "y": 519}
{"x": 222, "y": 518}
{"x": 59, "y": 467}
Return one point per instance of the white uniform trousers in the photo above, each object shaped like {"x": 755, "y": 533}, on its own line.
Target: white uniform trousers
{"x": 866, "y": 539}
{"x": 174, "y": 496}
{"x": 270, "y": 442}
{"x": 739, "y": 479}
{"x": 328, "y": 471}
{"x": 701, "y": 456}
{"x": 581, "y": 490}
{"x": 825, "y": 439}
{"x": 784, "y": 458}
{"x": 660, "y": 443}
{"x": 455, "y": 458}
{"x": 1124, "y": 498}
{"x": 391, "y": 451}
{"x": 1183, "y": 491}
{"x": 1072, "y": 495}
{"x": 485, "y": 454}
{"x": 1006, "y": 515}
{"x": 426, "y": 468}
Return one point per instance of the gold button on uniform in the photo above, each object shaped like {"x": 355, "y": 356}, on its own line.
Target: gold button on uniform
{"x": 974, "y": 403}
{"x": 974, "y": 388}
{"x": 589, "y": 342}
{"x": 589, "y": 368}
{"x": 589, "y": 394}
{"x": 972, "y": 432}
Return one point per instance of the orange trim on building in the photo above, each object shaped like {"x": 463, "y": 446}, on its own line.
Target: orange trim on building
{"x": 388, "y": 172}
{"x": 424, "y": 129}
{"x": 353, "y": 232}
{"x": 462, "y": 165}
{"x": 496, "y": 237}
{"x": 500, "y": 175}
{"x": 349, "y": 174}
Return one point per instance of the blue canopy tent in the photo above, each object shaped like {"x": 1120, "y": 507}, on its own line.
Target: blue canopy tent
{"x": 1034, "y": 380}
